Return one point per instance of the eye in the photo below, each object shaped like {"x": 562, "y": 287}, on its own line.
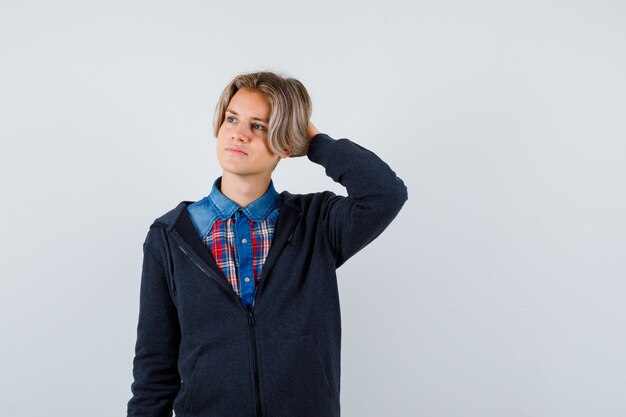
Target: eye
{"x": 257, "y": 126}
{"x": 230, "y": 119}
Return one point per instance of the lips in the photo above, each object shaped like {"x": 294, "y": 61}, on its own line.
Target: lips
{"x": 236, "y": 151}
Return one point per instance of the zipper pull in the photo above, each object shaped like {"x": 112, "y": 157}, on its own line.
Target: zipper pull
{"x": 250, "y": 318}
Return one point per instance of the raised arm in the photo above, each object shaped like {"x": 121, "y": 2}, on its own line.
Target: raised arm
{"x": 375, "y": 193}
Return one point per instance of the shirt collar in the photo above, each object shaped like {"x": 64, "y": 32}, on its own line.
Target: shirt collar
{"x": 256, "y": 211}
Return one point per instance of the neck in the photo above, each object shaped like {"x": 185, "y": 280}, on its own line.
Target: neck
{"x": 244, "y": 190}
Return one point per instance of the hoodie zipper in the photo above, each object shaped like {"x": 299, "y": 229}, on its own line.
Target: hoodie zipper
{"x": 251, "y": 325}
{"x": 255, "y": 361}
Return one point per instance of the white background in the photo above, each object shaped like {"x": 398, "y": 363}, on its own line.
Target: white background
{"x": 498, "y": 290}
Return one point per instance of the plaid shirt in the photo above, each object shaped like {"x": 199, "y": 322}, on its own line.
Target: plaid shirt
{"x": 239, "y": 238}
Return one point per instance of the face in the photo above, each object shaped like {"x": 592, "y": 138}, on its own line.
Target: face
{"x": 242, "y": 147}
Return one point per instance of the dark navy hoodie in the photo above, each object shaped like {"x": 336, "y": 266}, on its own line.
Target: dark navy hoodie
{"x": 201, "y": 353}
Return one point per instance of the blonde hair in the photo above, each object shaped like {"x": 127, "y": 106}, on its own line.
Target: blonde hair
{"x": 290, "y": 104}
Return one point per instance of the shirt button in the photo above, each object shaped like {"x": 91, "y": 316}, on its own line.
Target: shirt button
{"x": 246, "y": 279}
{"x": 244, "y": 240}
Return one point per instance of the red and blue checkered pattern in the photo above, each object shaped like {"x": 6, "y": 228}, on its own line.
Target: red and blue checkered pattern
{"x": 221, "y": 243}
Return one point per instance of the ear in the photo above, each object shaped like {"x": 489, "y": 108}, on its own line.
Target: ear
{"x": 285, "y": 155}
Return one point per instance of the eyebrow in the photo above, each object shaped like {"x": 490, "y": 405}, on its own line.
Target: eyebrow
{"x": 253, "y": 118}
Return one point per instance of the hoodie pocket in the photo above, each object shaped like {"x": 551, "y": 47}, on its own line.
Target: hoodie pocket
{"x": 185, "y": 385}
{"x": 220, "y": 383}
{"x": 294, "y": 381}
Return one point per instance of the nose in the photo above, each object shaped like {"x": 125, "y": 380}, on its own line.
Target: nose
{"x": 241, "y": 132}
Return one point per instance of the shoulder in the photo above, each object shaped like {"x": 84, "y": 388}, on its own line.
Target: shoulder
{"x": 307, "y": 203}
{"x": 167, "y": 219}
{"x": 156, "y": 236}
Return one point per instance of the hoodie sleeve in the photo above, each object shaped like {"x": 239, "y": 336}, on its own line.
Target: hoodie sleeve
{"x": 375, "y": 194}
{"x": 155, "y": 370}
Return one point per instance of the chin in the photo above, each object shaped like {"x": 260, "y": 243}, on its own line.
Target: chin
{"x": 235, "y": 170}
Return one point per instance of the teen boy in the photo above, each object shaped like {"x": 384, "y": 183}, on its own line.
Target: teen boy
{"x": 239, "y": 310}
